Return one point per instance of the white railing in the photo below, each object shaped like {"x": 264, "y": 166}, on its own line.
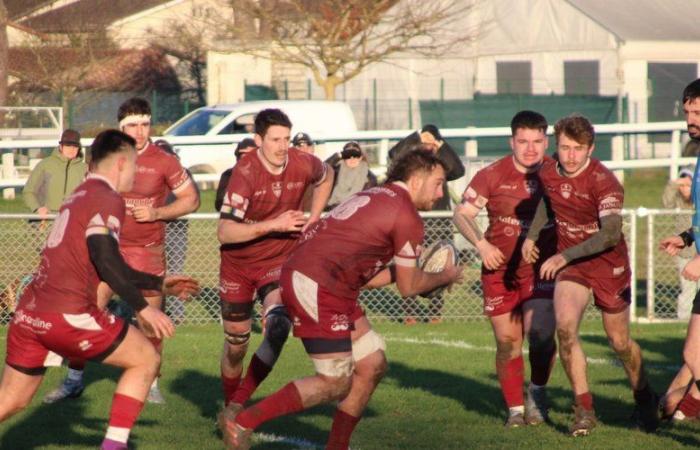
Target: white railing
{"x": 384, "y": 137}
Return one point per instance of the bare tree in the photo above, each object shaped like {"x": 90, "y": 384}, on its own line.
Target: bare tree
{"x": 337, "y": 39}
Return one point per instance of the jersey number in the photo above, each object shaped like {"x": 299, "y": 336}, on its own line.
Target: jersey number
{"x": 58, "y": 229}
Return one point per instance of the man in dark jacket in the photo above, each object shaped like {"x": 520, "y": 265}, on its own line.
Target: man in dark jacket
{"x": 436, "y": 228}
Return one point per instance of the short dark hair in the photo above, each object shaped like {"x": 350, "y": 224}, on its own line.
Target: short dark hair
{"x": 692, "y": 91}
{"x": 530, "y": 120}
{"x": 109, "y": 142}
{"x": 134, "y": 106}
{"x": 416, "y": 159}
{"x": 269, "y": 117}
{"x": 576, "y": 127}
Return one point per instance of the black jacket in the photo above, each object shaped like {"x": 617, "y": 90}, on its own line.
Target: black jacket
{"x": 455, "y": 168}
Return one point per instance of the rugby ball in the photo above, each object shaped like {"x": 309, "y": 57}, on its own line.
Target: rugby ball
{"x": 434, "y": 259}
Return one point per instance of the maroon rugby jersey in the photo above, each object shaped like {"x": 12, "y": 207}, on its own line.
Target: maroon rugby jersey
{"x": 157, "y": 173}
{"x": 66, "y": 280}
{"x": 359, "y": 238}
{"x": 578, "y": 205}
{"x": 511, "y": 199}
{"x": 254, "y": 194}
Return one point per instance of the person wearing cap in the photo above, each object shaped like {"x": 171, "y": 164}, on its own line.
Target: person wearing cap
{"x": 677, "y": 195}
{"x": 303, "y": 142}
{"x": 352, "y": 173}
{"x": 55, "y": 177}
{"x": 247, "y": 145}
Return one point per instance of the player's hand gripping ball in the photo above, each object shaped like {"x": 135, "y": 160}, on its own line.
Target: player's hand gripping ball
{"x": 435, "y": 259}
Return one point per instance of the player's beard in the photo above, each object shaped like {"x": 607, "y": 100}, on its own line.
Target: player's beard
{"x": 694, "y": 132}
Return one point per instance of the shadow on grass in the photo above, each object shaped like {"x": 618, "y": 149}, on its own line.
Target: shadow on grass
{"x": 58, "y": 423}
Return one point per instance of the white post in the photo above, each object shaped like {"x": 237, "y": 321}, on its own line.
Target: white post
{"x": 617, "y": 153}
{"x": 471, "y": 147}
{"x": 8, "y": 171}
{"x": 384, "y": 152}
{"x": 651, "y": 284}
{"x": 633, "y": 264}
{"x": 675, "y": 154}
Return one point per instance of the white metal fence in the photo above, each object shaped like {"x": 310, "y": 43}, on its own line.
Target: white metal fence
{"x": 192, "y": 248}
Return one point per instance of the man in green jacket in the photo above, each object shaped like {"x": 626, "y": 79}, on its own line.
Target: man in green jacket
{"x": 55, "y": 177}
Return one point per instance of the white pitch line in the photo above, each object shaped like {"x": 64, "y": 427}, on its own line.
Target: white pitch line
{"x": 467, "y": 346}
{"x": 274, "y": 438}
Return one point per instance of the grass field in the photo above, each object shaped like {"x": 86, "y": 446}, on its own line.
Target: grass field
{"x": 440, "y": 393}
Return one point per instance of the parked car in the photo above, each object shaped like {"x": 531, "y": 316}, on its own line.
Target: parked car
{"x": 317, "y": 118}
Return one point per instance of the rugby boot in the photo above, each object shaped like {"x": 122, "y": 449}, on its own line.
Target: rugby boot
{"x": 67, "y": 389}
{"x": 515, "y": 420}
{"x": 646, "y": 413}
{"x": 154, "y": 396}
{"x": 235, "y": 436}
{"x": 536, "y": 406}
{"x": 584, "y": 422}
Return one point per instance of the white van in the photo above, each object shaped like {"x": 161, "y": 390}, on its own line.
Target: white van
{"x": 317, "y": 118}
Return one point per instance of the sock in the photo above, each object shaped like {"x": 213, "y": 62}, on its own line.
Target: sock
{"x": 229, "y": 386}
{"x": 643, "y": 395}
{"x": 75, "y": 375}
{"x": 511, "y": 377}
{"x": 535, "y": 387}
{"x": 541, "y": 364}
{"x": 513, "y": 410}
{"x": 257, "y": 372}
{"x": 124, "y": 412}
{"x": 155, "y": 383}
{"x": 343, "y": 426}
{"x": 285, "y": 401}
{"x": 585, "y": 401}
{"x": 689, "y": 406}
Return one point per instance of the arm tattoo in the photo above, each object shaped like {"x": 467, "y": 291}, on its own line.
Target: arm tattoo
{"x": 469, "y": 228}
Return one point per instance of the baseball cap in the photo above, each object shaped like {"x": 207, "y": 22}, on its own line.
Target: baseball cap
{"x": 70, "y": 137}
{"x": 686, "y": 171}
{"x": 300, "y": 138}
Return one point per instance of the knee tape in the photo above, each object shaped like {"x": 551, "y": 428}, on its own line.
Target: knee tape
{"x": 337, "y": 367}
{"x": 367, "y": 344}
{"x": 238, "y": 338}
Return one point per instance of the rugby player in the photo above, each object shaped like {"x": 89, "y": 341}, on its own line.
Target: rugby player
{"x": 58, "y": 311}
{"x": 143, "y": 236}
{"x": 260, "y": 221}
{"x": 682, "y": 398}
{"x": 586, "y": 200}
{"x": 320, "y": 285}
{"x": 517, "y": 302}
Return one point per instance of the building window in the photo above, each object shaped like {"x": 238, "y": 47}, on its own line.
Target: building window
{"x": 514, "y": 77}
{"x": 581, "y": 77}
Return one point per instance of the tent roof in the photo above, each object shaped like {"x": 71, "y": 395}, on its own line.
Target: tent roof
{"x": 645, "y": 20}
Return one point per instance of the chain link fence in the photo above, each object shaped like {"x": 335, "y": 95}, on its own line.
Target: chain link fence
{"x": 192, "y": 248}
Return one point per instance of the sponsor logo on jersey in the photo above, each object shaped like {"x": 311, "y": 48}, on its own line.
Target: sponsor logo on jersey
{"x": 145, "y": 169}
{"x": 509, "y": 231}
{"x": 277, "y": 188}
{"x": 617, "y": 271}
{"x": 227, "y": 286}
{"x": 610, "y": 202}
{"x": 340, "y": 322}
{"x": 508, "y": 187}
{"x": 85, "y": 345}
{"x": 293, "y": 185}
{"x": 565, "y": 189}
{"x": 260, "y": 192}
{"x": 490, "y": 303}
{"x": 21, "y": 318}
{"x": 582, "y": 195}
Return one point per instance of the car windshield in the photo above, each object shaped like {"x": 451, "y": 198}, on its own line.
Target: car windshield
{"x": 198, "y": 123}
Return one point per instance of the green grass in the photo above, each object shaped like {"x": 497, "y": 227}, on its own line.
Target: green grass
{"x": 435, "y": 396}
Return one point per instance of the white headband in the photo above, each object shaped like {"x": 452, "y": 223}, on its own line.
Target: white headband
{"x": 134, "y": 119}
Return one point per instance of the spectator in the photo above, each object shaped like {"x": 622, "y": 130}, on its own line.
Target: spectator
{"x": 438, "y": 228}
{"x": 677, "y": 194}
{"x": 55, "y": 176}
{"x": 352, "y": 173}
{"x": 303, "y": 142}
{"x": 245, "y": 146}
